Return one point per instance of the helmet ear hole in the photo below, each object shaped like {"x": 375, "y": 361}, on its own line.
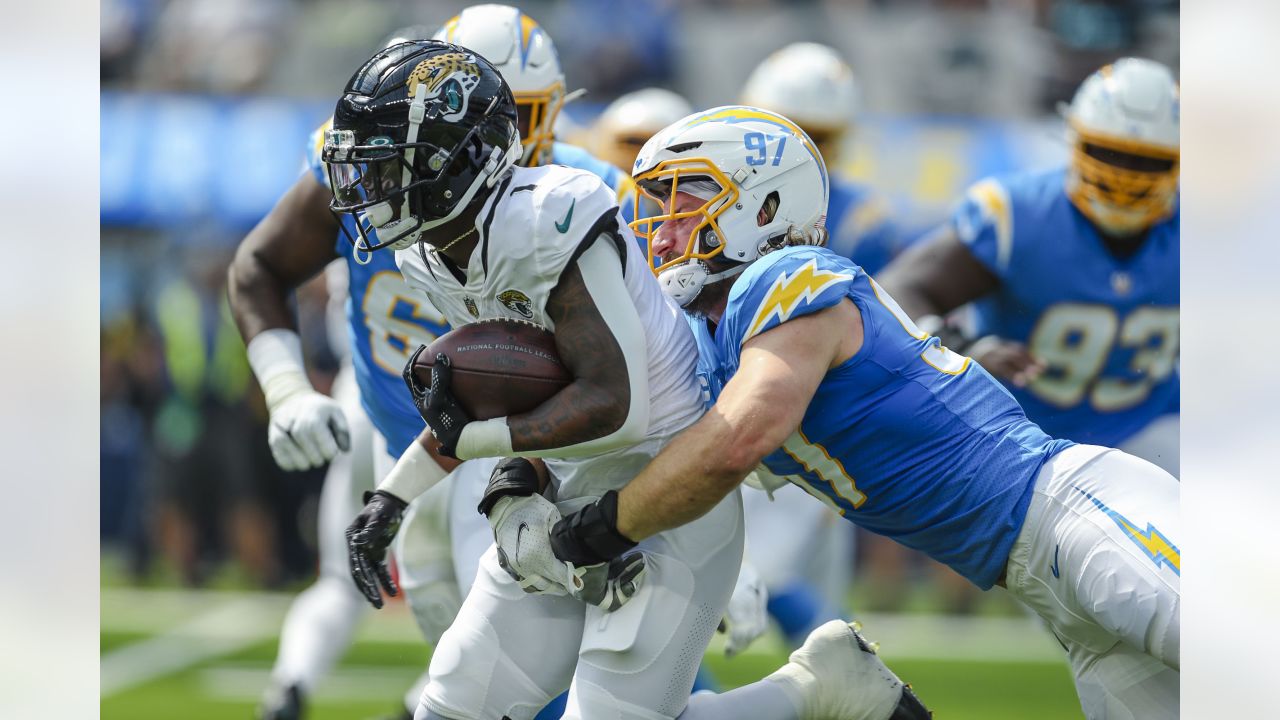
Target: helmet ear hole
{"x": 768, "y": 209}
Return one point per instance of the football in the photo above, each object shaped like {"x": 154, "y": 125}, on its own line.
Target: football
{"x": 500, "y": 367}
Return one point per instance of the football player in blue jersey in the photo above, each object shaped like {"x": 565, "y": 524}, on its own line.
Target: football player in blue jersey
{"x": 523, "y": 52}
{"x": 814, "y": 87}
{"x": 443, "y": 537}
{"x": 820, "y": 376}
{"x": 1073, "y": 272}
{"x": 627, "y": 123}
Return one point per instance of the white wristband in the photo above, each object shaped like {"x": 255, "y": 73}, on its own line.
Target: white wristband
{"x": 414, "y": 473}
{"x": 484, "y": 438}
{"x": 276, "y": 358}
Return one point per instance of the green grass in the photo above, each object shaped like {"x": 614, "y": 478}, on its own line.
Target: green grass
{"x": 954, "y": 690}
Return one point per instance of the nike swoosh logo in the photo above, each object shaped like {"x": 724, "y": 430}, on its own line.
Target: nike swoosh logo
{"x": 519, "y": 533}
{"x": 1054, "y": 567}
{"x": 563, "y": 225}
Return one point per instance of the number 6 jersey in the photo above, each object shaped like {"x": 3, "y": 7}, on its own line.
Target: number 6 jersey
{"x": 1106, "y": 328}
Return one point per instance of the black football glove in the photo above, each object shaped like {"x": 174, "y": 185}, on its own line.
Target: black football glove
{"x": 608, "y": 574}
{"x": 436, "y": 405}
{"x": 368, "y": 538}
{"x": 513, "y": 477}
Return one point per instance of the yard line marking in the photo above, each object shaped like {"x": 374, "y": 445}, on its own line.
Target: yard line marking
{"x": 232, "y": 626}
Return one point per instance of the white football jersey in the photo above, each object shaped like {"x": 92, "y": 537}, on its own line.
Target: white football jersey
{"x": 533, "y": 226}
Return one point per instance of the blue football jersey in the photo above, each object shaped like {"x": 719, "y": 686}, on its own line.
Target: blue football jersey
{"x": 1106, "y": 328}
{"x": 386, "y": 320}
{"x": 906, "y": 439}
{"x": 859, "y": 225}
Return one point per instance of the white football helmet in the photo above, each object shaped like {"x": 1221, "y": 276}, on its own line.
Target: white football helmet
{"x": 762, "y": 182}
{"x": 1123, "y": 129}
{"x": 628, "y": 123}
{"x": 523, "y": 53}
{"x": 812, "y": 85}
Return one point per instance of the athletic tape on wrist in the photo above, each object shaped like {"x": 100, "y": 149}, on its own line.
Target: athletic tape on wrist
{"x": 275, "y": 356}
{"x": 414, "y": 473}
{"x": 484, "y": 438}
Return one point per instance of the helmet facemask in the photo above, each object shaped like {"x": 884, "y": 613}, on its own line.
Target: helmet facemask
{"x": 402, "y": 187}
{"x": 702, "y": 259}
{"x": 1123, "y": 186}
{"x": 538, "y": 112}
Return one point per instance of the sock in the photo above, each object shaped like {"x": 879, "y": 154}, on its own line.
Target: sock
{"x": 761, "y": 700}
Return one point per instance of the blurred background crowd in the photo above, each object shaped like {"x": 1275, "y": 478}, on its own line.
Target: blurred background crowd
{"x": 207, "y": 104}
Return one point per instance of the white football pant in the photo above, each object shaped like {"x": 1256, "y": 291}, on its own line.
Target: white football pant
{"x": 1098, "y": 559}
{"x": 509, "y": 653}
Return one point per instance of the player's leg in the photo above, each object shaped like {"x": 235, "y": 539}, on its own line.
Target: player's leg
{"x": 1124, "y": 684}
{"x": 320, "y": 622}
{"x": 507, "y": 653}
{"x": 793, "y": 546}
{"x": 1157, "y": 443}
{"x": 640, "y": 661}
{"x": 1098, "y": 559}
{"x": 836, "y": 673}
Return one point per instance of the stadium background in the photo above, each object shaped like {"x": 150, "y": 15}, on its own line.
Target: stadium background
{"x": 205, "y": 107}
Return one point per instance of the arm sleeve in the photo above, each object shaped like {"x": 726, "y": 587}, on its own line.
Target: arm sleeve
{"x": 984, "y": 223}
{"x": 601, "y": 269}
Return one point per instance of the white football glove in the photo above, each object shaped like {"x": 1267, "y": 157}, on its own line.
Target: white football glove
{"x": 522, "y": 530}
{"x": 747, "y": 617}
{"x": 307, "y": 430}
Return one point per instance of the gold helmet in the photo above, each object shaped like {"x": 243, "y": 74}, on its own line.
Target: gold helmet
{"x": 1122, "y": 126}
{"x": 523, "y": 53}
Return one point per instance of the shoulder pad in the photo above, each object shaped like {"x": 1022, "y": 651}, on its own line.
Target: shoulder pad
{"x": 785, "y": 284}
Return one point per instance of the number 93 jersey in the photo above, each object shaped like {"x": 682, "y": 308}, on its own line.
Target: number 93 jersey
{"x": 1106, "y": 328}
{"x": 906, "y": 438}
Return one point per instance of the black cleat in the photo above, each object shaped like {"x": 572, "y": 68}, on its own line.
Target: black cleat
{"x": 910, "y": 707}
{"x": 282, "y": 704}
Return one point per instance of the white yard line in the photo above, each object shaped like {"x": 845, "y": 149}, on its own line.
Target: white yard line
{"x": 231, "y": 626}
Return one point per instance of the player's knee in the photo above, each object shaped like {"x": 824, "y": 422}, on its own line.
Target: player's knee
{"x": 434, "y": 606}
{"x": 473, "y": 679}
{"x": 590, "y": 700}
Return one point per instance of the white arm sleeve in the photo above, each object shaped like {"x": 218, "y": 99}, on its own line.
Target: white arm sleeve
{"x": 601, "y": 269}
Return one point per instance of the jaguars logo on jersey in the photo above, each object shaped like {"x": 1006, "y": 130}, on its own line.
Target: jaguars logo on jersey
{"x": 517, "y": 302}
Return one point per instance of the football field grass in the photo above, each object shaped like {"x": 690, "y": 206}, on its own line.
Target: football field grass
{"x": 204, "y": 655}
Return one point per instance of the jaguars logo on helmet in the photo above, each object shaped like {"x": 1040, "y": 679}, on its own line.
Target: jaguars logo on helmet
{"x": 421, "y": 131}
{"x": 450, "y": 77}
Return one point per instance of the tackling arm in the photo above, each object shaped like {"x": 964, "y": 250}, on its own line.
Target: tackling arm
{"x": 290, "y": 245}
{"x": 759, "y": 408}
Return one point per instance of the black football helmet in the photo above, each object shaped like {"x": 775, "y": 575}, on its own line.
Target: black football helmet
{"x": 420, "y": 129}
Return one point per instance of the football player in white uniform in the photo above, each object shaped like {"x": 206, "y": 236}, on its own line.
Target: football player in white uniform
{"x": 423, "y": 150}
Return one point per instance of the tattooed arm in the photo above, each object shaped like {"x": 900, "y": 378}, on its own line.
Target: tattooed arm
{"x": 601, "y": 340}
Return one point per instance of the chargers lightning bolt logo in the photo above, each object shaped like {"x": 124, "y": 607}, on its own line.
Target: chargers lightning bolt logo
{"x": 1152, "y": 542}
{"x": 788, "y": 291}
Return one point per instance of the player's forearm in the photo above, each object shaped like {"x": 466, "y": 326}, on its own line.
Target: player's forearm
{"x": 687, "y": 479}
{"x": 259, "y": 300}
{"x": 580, "y": 413}
{"x": 418, "y": 469}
